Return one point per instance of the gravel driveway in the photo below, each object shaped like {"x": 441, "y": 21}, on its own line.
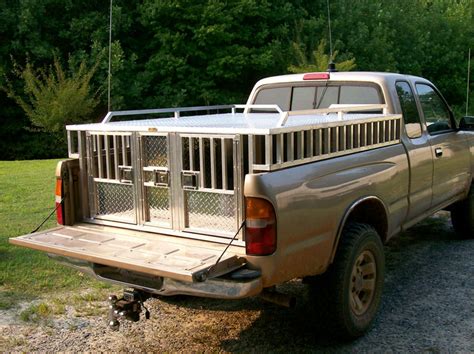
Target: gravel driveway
{"x": 427, "y": 306}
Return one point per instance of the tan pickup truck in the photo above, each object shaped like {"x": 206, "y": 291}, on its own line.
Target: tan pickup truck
{"x": 307, "y": 180}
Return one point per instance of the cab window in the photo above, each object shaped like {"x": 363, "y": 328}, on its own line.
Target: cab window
{"x": 435, "y": 111}
{"x": 410, "y": 113}
{"x": 295, "y": 98}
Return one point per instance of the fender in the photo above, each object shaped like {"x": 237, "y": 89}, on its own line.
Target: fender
{"x": 348, "y": 212}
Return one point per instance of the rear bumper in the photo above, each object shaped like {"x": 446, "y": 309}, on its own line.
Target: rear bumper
{"x": 218, "y": 288}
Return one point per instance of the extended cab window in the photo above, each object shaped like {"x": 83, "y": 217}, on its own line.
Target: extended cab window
{"x": 437, "y": 116}
{"x": 295, "y": 98}
{"x": 409, "y": 109}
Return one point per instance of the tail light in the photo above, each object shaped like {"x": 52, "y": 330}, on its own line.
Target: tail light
{"x": 58, "y": 198}
{"x": 260, "y": 227}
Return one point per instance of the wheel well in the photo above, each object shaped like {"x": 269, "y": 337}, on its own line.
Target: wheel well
{"x": 372, "y": 212}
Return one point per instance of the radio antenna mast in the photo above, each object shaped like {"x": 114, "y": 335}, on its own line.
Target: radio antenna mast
{"x": 468, "y": 77}
{"x": 331, "y": 65}
{"x": 110, "y": 58}
{"x": 330, "y": 37}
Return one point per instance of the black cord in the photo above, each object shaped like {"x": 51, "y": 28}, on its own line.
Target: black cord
{"x": 49, "y": 216}
{"x": 208, "y": 270}
{"x": 322, "y": 96}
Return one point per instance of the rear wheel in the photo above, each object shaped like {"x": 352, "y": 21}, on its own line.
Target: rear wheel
{"x": 348, "y": 294}
{"x": 462, "y": 216}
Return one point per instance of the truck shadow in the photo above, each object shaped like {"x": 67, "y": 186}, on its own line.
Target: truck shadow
{"x": 416, "y": 262}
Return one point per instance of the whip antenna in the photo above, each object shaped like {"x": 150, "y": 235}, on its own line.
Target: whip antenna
{"x": 468, "y": 77}
{"x": 110, "y": 58}
{"x": 331, "y": 65}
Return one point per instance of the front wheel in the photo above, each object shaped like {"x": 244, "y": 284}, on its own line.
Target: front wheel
{"x": 348, "y": 294}
{"x": 462, "y": 216}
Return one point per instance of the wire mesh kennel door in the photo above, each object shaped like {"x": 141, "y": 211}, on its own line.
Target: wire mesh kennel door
{"x": 111, "y": 176}
{"x": 211, "y": 175}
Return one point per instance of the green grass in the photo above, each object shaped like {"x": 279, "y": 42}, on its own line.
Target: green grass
{"x": 26, "y": 198}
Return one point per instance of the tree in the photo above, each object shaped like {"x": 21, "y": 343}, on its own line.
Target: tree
{"x": 54, "y": 97}
{"x": 320, "y": 60}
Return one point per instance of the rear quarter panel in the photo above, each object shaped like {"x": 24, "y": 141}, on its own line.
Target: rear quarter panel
{"x": 311, "y": 201}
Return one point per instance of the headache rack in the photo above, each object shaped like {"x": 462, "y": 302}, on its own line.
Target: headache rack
{"x": 184, "y": 174}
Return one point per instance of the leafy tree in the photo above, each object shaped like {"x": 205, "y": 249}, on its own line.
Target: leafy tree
{"x": 320, "y": 60}
{"x": 54, "y": 97}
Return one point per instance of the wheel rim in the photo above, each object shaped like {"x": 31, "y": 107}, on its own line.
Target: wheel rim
{"x": 363, "y": 279}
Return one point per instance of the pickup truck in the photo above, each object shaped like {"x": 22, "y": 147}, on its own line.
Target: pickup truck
{"x": 307, "y": 180}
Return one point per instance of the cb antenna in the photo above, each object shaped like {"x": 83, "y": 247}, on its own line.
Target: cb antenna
{"x": 468, "y": 77}
{"x": 331, "y": 65}
{"x": 109, "y": 76}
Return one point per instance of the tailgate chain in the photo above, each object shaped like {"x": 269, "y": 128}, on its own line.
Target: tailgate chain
{"x": 204, "y": 275}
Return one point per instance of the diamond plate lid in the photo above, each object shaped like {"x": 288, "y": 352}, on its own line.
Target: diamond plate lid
{"x": 228, "y": 123}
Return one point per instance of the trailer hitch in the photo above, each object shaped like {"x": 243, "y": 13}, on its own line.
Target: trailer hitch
{"x": 128, "y": 307}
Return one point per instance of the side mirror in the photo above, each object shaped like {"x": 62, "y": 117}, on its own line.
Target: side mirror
{"x": 467, "y": 123}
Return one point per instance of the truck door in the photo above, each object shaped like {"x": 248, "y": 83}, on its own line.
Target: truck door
{"x": 418, "y": 148}
{"x": 449, "y": 148}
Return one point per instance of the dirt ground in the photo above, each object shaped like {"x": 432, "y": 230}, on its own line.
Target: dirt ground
{"x": 427, "y": 306}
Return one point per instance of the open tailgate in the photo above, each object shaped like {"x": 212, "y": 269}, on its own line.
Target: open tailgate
{"x": 145, "y": 254}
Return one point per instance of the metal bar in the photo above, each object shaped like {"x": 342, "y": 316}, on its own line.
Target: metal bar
{"x": 69, "y": 143}
{"x": 90, "y": 141}
{"x": 99, "y": 155}
{"x": 247, "y": 107}
{"x": 213, "y": 164}
{"x": 136, "y": 156}
{"x": 83, "y": 180}
{"x": 110, "y": 115}
{"x": 340, "y": 109}
{"x": 280, "y": 150}
{"x": 365, "y": 135}
{"x": 238, "y": 172}
{"x": 268, "y": 149}
{"x": 191, "y": 153}
{"x": 201, "y": 163}
{"x": 124, "y": 151}
{"x": 251, "y": 152}
{"x": 116, "y": 157}
{"x": 107, "y": 157}
{"x": 176, "y": 197}
{"x": 224, "y": 163}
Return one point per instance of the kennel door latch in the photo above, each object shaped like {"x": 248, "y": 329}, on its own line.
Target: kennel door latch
{"x": 126, "y": 174}
{"x": 190, "y": 180}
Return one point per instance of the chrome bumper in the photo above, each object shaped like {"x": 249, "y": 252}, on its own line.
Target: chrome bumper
{"x": 218, "y": 288}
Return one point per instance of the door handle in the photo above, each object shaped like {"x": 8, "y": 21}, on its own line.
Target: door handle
{"x": 438, "y": 152}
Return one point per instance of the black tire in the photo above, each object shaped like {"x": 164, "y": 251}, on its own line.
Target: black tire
{"x": 462, "y": 216}
{"x": 334, "y": 291}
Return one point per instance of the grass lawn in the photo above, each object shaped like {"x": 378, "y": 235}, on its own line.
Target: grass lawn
{"x": 26, "y": 198}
